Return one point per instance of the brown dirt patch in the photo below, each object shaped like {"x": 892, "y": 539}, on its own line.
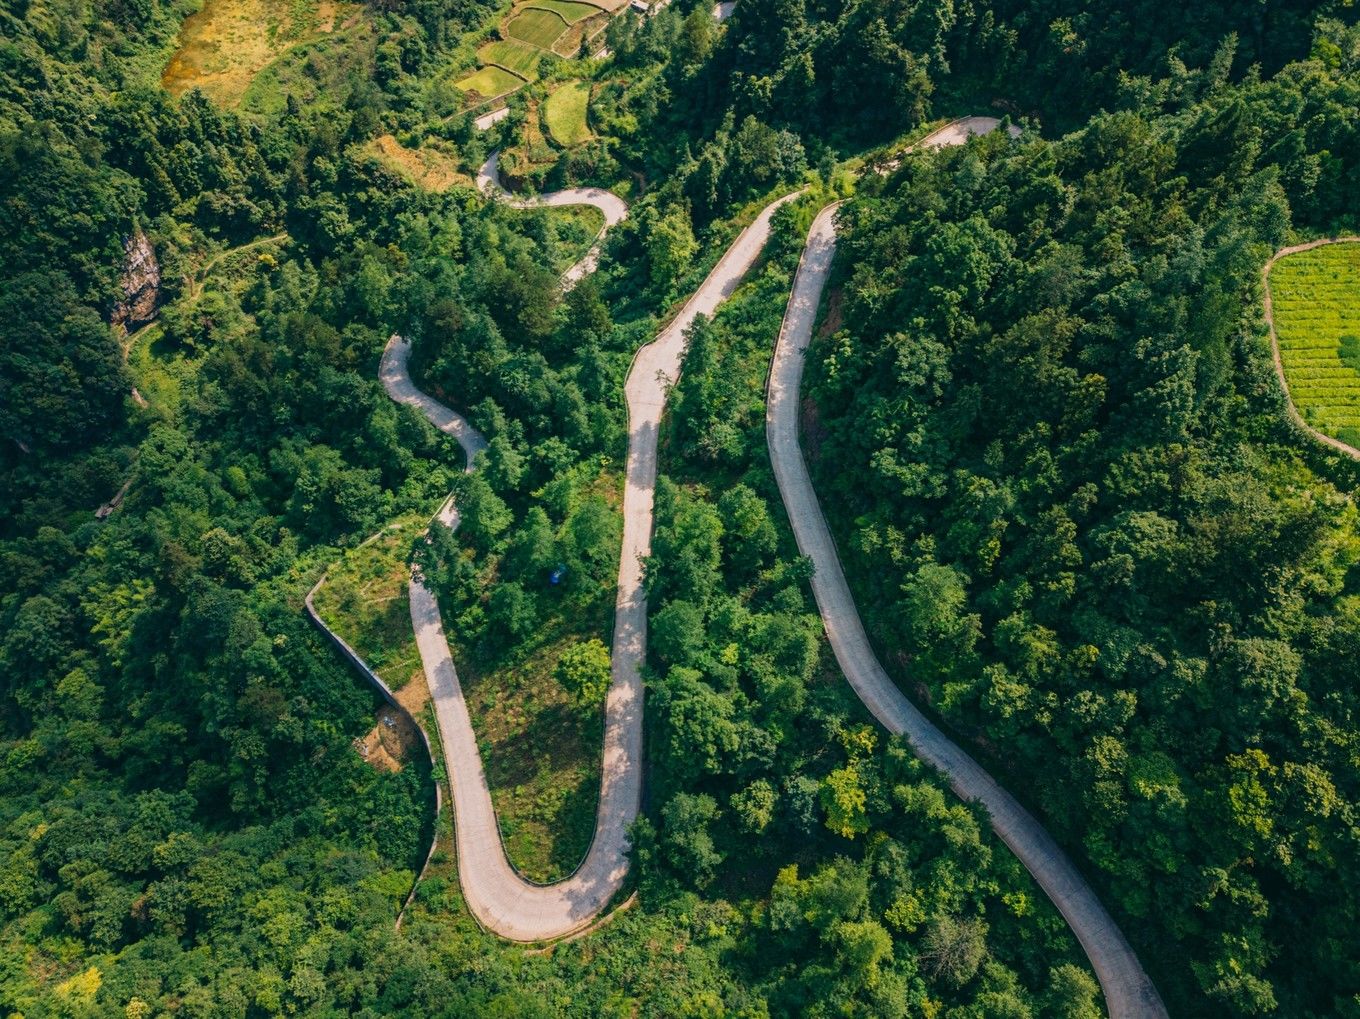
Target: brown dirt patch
{"x": 432, "y": 167}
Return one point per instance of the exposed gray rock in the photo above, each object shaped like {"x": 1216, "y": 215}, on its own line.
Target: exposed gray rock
{"x": 141, "y": 281}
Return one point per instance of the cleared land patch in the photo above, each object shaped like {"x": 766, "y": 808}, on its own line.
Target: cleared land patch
{"x": 430, "y": 166}
{"x": 537, "y": 27}
{"x": 1315, "y": 295}
{"x": 564, "y": 113}
{"x": 489, "y": 82}
{"x": 226, "y": 44}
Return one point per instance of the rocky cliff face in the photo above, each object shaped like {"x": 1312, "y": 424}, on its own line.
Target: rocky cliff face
{"x": 141, "y": 283}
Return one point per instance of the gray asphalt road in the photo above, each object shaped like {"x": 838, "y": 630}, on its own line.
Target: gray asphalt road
{"x": 1128, "y": 991}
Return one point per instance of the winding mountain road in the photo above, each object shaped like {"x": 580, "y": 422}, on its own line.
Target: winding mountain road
{"x": 519, "y": 910}
{"x": 503, "y": 901}
{"x": 613, "y": 207}
{"x": 1129, "y": 994}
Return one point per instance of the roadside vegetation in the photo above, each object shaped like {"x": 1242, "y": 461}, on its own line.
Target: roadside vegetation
{"x": 542, "y": 754}
{"x": 1316, "y": 299}
{"x": 364, "y": 600}
{"x": 1041, "y": 415}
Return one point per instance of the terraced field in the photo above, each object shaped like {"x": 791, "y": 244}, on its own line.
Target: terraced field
{"x": 519, "y": 57}
{"x": 564, "y": 113}
{"x": 537, "y": 27}
{"x": 570, "y": 11}
{"x": 1315, "y": 296}
{"x": 489, "y": 82}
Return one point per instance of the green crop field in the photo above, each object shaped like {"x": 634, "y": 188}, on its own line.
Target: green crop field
{"x": 489, "y": 82}
{"x": 1316, "y": 299}
{"x": 564, "y": 113}
{"x": 539, "y": 28}
{"x": 519, "y": 57}
{"x": 570, "y": 10}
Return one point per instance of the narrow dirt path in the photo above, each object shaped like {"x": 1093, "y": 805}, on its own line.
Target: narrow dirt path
{"x": 1294, "y": 415}
{"x": 195, "y": 284}
{"x": 1129, "y": 994}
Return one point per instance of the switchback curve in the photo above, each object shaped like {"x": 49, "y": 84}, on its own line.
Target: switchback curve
{"x": 613, "y": 207}
{"x": 518, "y": 910}
{"x": 503, "y": 901}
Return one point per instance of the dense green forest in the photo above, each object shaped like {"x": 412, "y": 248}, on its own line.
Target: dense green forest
{"x": 1043, "y": 418}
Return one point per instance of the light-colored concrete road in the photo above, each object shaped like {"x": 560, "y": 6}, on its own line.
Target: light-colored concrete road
{"x": 1294, "y": 415}
{"x": 494, "y": 117}
{"x": 1128, "y": 991}
{"x": 502, "y": 901}
{"x": 956, "y": 132}
{"x": 613, "y": 207}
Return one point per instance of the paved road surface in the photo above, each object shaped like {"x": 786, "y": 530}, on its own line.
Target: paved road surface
{"x": 613, "y": 207}
{"x": 494, "y": 117}
{"x": 504, "y": 902}
{"x": 516, "y": 909}
{"x": 1128, "y": 991}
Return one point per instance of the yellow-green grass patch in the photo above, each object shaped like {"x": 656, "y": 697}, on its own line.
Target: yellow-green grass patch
{"x": 489, "y": 82}
{"x": 433, "y": 166}
{"x": 1315, "y": 296}
{"x": 564, "y": 113}
{"x": 513, "y": 55}
{"x": 570, "y": 10}
{"x": 536, "y": 27}
{"x": 228, "y": 42}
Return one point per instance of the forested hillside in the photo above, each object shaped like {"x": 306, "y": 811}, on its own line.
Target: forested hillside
{"x": 1042, "y": 421}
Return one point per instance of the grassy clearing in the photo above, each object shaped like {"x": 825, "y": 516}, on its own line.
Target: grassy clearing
{"x": 1316, "y": 299}
{"x": 433, "y": 166}
{"x": 365, "y": 600}
{"x": 537, "y": 27}
{"x": 570, "y": 10}
{"x": 519, "y": 57}
{"x": 489, "y": 82}
{"x": 161, "y": 372}
{"x": 565, "y": 113}
{"x": 542, "y": 758}
{"x": 228, "y": 42}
